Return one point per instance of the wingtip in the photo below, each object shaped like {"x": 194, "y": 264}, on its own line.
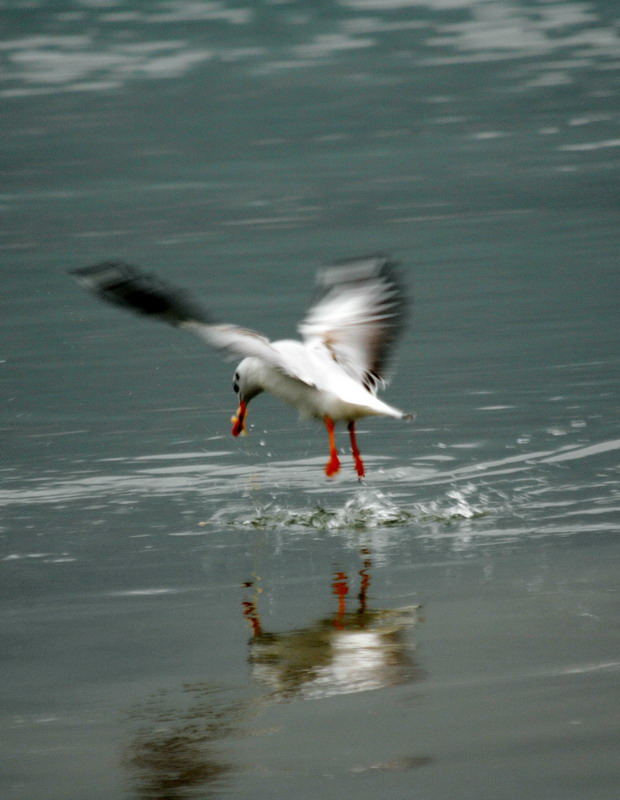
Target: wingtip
{"x": 357, "y": 268}
{"x": 125, "y": 285}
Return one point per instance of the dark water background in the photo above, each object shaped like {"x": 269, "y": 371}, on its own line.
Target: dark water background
{"x": 185, "y": 615}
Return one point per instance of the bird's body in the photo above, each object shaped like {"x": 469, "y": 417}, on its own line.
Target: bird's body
{"x": 329, "y": 390}
{"x": 332, "y": 375}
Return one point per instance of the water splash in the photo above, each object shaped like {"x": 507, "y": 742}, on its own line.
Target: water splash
{"x": 465, "y": 502}
{"x": 368, "y": 509}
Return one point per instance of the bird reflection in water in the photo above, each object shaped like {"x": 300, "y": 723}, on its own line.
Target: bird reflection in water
{"x": 347, "y": 651}
{"x": 177, "y": 739}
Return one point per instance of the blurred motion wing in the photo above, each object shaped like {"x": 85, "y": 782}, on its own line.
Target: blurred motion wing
{"x": 143, "y": 293}
{"x": 358, "y": 317}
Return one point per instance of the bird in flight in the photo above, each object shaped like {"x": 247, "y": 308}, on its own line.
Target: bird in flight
{"x": 333, "y": 374}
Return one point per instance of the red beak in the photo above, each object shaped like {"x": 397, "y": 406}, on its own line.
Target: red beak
{"x": 238, "y": 420}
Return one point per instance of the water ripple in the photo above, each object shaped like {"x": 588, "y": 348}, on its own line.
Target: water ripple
{"x": 58, "y": 56}
{"x": 566, "y": 489}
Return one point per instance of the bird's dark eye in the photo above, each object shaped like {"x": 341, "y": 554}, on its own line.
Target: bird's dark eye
{"x": 236, "y": 387}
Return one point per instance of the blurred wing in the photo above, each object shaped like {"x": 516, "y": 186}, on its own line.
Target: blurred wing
{"x": 129, "y": 287}
{"x": 358, "y": 317}
{"x": 245, "y": 342}
{"x": 126, "y": 286}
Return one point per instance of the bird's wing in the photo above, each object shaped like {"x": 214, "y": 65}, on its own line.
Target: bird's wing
{"x": 358, "y": 316}
{"x": 129, "y": 287}
{"x": 244, "y": 342}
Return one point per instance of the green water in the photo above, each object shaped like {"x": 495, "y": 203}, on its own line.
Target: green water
{"x": 188, "y": 615}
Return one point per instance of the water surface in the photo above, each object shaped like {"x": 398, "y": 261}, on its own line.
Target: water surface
{"x": 188, "y": 615}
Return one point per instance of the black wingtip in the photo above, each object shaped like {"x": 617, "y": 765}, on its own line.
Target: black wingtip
{"x": 127, "y": 286}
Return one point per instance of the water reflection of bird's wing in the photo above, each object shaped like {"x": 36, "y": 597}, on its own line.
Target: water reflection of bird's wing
{"x": 358, "y": 317}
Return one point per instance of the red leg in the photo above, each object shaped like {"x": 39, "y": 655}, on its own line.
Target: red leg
{"x": 333, "y": 465}
{"x": 340, "y": 587}
{"x": 359, "y": 464}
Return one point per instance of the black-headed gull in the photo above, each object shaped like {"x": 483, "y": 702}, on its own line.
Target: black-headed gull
{"x": 333, "y": 374}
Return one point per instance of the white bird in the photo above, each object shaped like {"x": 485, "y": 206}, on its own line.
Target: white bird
{"x": 332, "y": 375}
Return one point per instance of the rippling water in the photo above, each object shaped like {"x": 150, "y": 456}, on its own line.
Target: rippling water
{"x": 188, "y": 615}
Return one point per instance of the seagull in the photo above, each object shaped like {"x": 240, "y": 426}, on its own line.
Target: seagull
{"x": 333, "y": 374}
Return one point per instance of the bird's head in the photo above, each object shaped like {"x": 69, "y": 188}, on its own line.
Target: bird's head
{"x": 246, "y": 384}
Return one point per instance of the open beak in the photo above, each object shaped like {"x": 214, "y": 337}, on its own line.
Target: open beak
{"x": 238, "y": 420}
